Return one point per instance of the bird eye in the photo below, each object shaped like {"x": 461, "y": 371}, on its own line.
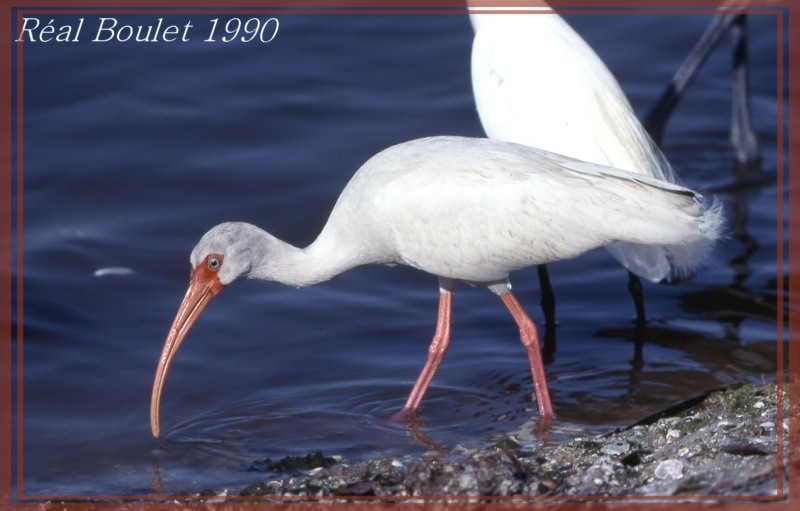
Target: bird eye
{"x": 214, "y": 263}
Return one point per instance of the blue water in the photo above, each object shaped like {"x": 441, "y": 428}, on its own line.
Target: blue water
{"x": 132, "y": 151}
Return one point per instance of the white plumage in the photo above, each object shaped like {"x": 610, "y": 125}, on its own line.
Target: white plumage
{"x": 461, "y": 209}
{"x": 476, "y": 209}
{"x": 537, "y": 82}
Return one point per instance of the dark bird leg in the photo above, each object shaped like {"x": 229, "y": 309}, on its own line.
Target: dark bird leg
{"x": 656, "y": 119}
{"x": 635, "y": 288}
{"x": 548, "y": 298}
{"x": 743, "y": 136}
{"x": 549, "y": 308}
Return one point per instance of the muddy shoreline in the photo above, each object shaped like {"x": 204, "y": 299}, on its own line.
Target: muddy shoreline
{"x": 723, "y": 443}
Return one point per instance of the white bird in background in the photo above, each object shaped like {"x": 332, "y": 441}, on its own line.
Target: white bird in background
{"x": 461, "y": 209}
{"x": 537, "y": 82}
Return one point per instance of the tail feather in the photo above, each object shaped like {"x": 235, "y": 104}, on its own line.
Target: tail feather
{"x": 686, "y": 258}
{"x": 668, "y": 262}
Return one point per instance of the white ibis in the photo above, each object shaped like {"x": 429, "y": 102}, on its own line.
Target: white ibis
{"x": 461, "y": 209}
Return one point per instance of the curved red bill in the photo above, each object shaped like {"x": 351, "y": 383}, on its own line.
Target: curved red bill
{"x": 203, "y": 286}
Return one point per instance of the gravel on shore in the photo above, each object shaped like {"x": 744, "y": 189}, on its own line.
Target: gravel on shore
{"x": 723, "y": 443}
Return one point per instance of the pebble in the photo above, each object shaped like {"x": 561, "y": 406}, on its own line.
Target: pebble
{"x": 669, "y": 469}
{"x": 467, "y": 481}
{"x": 220, "y": 497}
{"x": 615, "y": 448}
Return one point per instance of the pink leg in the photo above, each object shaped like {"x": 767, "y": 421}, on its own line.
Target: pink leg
{"x": 436, "y": 351}
{"x": 530, "y": 339}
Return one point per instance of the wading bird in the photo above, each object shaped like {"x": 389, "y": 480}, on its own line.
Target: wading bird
{"x": 461, "y": 209}
{"x": 537, "y": 82}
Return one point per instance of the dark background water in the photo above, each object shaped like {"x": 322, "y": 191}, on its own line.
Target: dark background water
{"x": 133, "y": 151}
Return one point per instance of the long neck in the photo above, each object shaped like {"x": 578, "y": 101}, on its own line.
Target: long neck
{"x": 301, "y": 267}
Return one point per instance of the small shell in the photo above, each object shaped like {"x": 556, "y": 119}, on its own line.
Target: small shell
{"x": 616, "y": 448}
{"x": 669, "y": 469}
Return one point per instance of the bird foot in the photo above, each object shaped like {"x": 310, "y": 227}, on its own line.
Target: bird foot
{"x": 404, "y": 415}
